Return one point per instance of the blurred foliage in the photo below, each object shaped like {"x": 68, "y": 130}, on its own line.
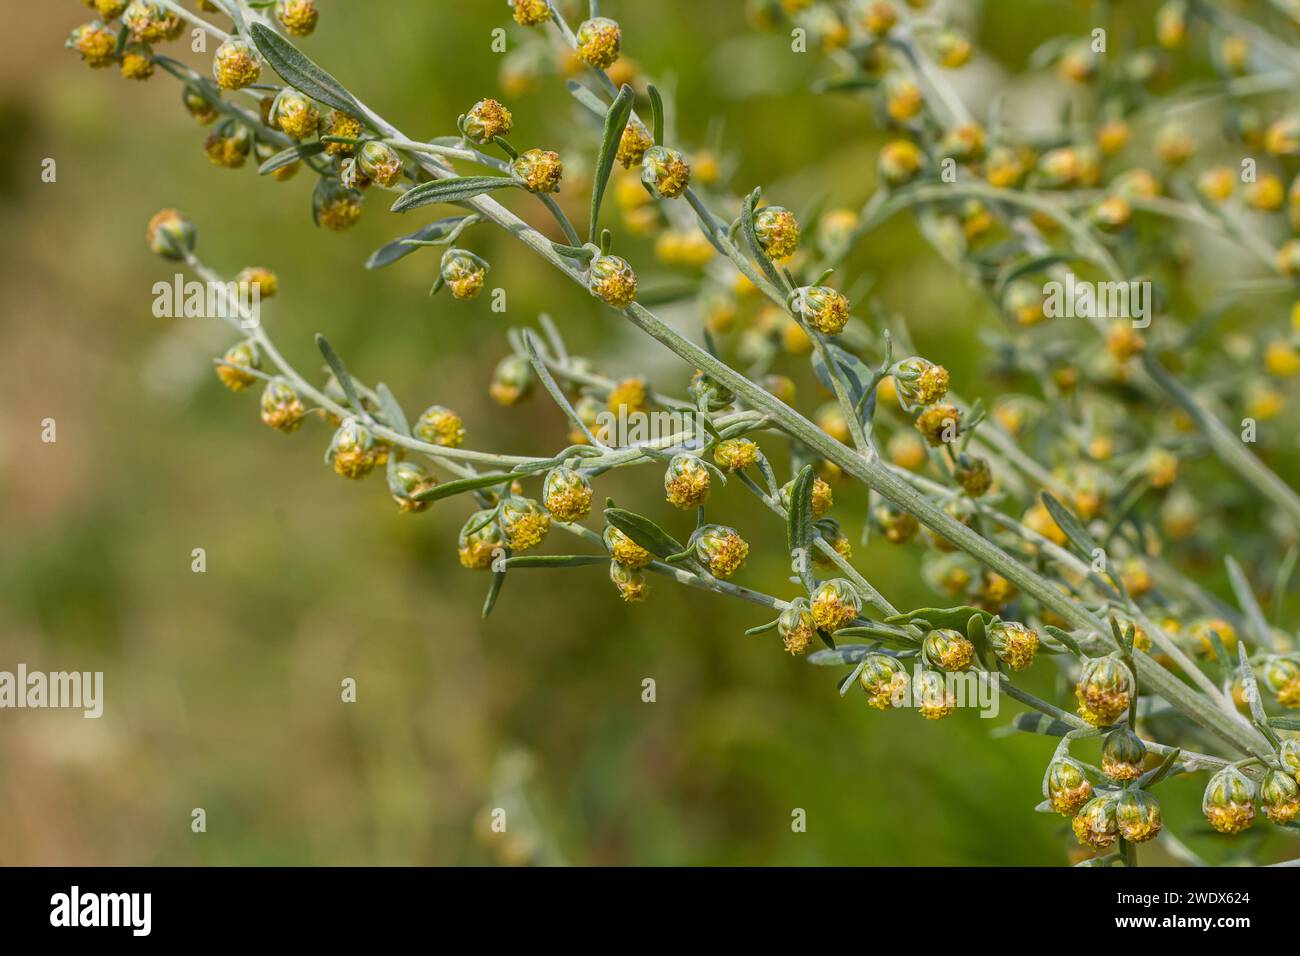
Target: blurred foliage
{"x": 223, "y": 688}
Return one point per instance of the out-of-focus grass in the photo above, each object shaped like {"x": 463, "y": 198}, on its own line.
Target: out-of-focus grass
{"x": 223, "y": 688}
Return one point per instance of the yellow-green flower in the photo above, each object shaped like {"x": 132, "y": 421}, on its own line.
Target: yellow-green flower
{"x": 171, "y": 235}
{"x": 835, "y": 604}
{"x": 282, "y": 409}
{"x": 1103, "y": 690}
{"x": 612, "y": 280}
{"x": 486, "y": 120}
{"x": 353, "y": 452}
{"x": 1095, "y": 824}
{"x": 440, "y": 426}
{"x": 1229, "y": 801}
{"x": 294, "y": 114}
{"x": 686, "y": 482}
{"x": 1015, "y": 644}
{"x": 721, "y": 549}
{"x": 406, "y": 481}
{"x": 1122, "y": 754}
{"x": 463, "y": 272}
{"x": 234, "y": 364}
{"x": 524, "y": 522}
{"x": 777, "y": 231}
{"x": 1067, "y": 786}
{"x": 531, "y": 13}
{"x": 884, "y": 681}
{"x": 948, "y": 649}
{"x": 236, "y": 64}
{"x": 631, "y": 583}
{"x": 735, "y": 454}
{"x": 480, "y": 540}
{"x": 665, "y": 171}
{"x": 298, "y": 17}
{"x": 625, "y": 551}
{"x": 566, "y": 493}
{"x": 796, "y": 627}
{"x": 599, "y": 40}
{"x": 1137, "y": 816}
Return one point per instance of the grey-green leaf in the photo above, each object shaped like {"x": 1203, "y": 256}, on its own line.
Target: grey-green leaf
{"x": 457, "y": 189}
{"x": 301, "y": 73}
{"x": 341, "y": 373}
{"x": 615, "y": 122}
{"x": 644, "y": 532}
{"x": 390, "y": 252}
{"x": 287, "y": 157}
{"x": 556, "y": 560}
{"x": 462, "y": 485}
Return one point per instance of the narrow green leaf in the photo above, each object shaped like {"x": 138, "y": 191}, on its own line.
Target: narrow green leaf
{"x": 839, "y": 656}
{"x": 394, "y": 417}
{"x": 462, "y": 485}
{"x": 1284, "y": 723}
{"x": 1040, "y": 724}
{"x": 1153, "y": 777}
{"x": 615, "y": 121}
{"x": 390, "y": 252}
{"x": 341, "y": 373}
{"x": 657, "y": 118}
{"x": 301, "y": 73}
{"x": 1066, "y": 638}
{"x": 762, "y": 628}
{"x": 1249, "y": 605}
{"x": 494, "y": 591}
{"x": 1068, "y": 523}
{"x": 457, "y": 189}
{"x": 799, "y": 520}
{"x": 644, "y": 532}
{"x": 556, "y": 560}
{"x": 957, "y": 618}
{"x": 287, "y": 157}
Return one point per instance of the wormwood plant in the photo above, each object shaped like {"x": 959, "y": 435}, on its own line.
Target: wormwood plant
{"x": 1065, "y": 523}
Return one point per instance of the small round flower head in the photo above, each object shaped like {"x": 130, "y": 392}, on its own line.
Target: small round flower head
{"x": 1112, "y": 213}
{"x": 236, "y": 64}
{"x": 632, "y": 147}
{"x": 822, "y": 496}
{"x": 629, "y": 395}
{"x": 1266, "y": 194}
{"x": 686, "y": 482}
{"x": 282, "y": 409}
{"x": 137, "y": 62}
{"x": 598, "y": 42}
{"x": 486, "y": 120}
{"x": 919, "y": 382}
{"x": 380, "y": 162}
{"x": 440, "y": 426}
{"x": 1067, "y": 786}
{"x": 341, "y": 124}
{"x": 954, "y": 49}
{"x": 906, "y": 450}
{"x": 150, "y": 22}
{"x": 524, "y": 522}
{"x": 294, "y": 114}
{"x": 1282, "y": 138}
{"x": 1005, "y": 167}
{"x": 624, "y": 550}
{"x": 566, "y": 494}
{"x": 833, "y": 535}
{"x": 934, "y": 698}
{"x": 796, "y": 627}
{"x": 898, "y": 526}
{"x": 171, "y": 235}
{"x": 939, "y": 424}
{"x": 1288, "y": 258}
{"x": 782, "y": 386}
{"x": 708, "y": 392}
{"x": 406, "y": 481}
{"x": 735, "y": 454}
{"x": 260, "y": 278}
{"x": 665, "y": 171}
{"x": 199, "y": 106}
{"x": 630, "y": 582}
{"x": 480, "y": 540}
{"x": 900, "y": 160}
{"x": 1229, "y": 801}
{"x": 721, "y": 549}
{"x": 538, "y": 170}
{"x": 1014, "y": 643}
{"x": 777, "y": 231}
{"x": 234, "y": 365}
{"x": 835, "y": 604}
{"x": 948, "y": 649}
{"x": 879, "y": 17}
{"x": 463, "y": 272}
{"x": 335, "y": 206}
{"x": 108, "y": 9}
{"x": 964, "y": 143}
{"x": 612, "y": 280}
{"x": 298, "y": 17}
{"x": 1122, "y": 754}
{"x": 1281, "y": 359}
{"x": 1282, "y": 677}
{"x": 512, "y": 381}
{"x": 884, "y": 681}
{"x": 1095, "y": 824}
{"x": 1103, "y": 690}
{"x": 1199, "y": 633}
{"x": 530, "y": 13}
{"x": 974, "y": 474}
{"x": 1280, "y": 797}
{"x": 228, "y": 146}
{"x": 352, "y": 452}
{"x": 1137, "y": 816}
{"x": 903, "y": 98}
{"x": 1289, "y": 756}
{"x": 822, "y": 307}
{"x": 1174, "y": 145}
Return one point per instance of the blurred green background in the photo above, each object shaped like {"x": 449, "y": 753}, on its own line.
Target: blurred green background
{"x": 223, "y": 688}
